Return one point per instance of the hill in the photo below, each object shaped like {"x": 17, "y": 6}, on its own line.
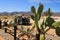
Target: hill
{"x": 29, "y": 13}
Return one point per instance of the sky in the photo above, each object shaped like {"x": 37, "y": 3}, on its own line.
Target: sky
{"x": 25, "y": 5}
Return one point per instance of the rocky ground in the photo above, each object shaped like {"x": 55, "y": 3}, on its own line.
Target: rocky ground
{"x": 50, "y": 35}
{"x": 7, "y": 36}
{"x": 1, "y": 38}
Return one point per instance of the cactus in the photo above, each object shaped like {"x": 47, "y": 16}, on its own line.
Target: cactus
{"x": 58, "y": 31}
{"x": 41, "y": 37}
{"x": 36, "y": 17}
{"x": 49, "y": 21}
{"x": 48, "y": 13}
{"x": 56, "y": 25}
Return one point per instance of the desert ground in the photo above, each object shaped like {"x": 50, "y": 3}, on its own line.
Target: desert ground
{"x": 50, "y": 32}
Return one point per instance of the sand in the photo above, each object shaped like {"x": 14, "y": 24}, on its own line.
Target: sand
{"x": 1, "y": 38}
{"x": 51, "y": 31}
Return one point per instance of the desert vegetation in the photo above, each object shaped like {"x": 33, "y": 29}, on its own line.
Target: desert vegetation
{"x": 47, "y": 22}
{"x": 17, "y": 30}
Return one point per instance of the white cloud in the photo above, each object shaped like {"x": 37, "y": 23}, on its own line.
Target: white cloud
{"x": 44, "y": 1}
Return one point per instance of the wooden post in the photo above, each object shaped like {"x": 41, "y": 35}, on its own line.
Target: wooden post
{"x": 5, "y": 30}
{"x": 15, "y": 27}
{"x": 0, "y": 24}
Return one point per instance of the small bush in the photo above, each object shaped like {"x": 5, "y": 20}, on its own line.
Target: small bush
{"x": 25, "y": 21}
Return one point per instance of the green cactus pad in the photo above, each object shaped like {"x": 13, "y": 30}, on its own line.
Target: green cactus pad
{"x": 49, "y": 21}
{"x": 56, "y": 24}
{"x": 32, "y": 17}
{"x": 33, "y": 10}
{"x": 40, "y": 9}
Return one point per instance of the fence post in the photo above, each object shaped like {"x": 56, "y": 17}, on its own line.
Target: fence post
{"x": 5, "y": 30}
{"x": 0, "y": 24}
{"x": 15, "y": 27}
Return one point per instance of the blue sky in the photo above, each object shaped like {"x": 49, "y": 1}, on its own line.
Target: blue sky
{"x": 25, "y": 5}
